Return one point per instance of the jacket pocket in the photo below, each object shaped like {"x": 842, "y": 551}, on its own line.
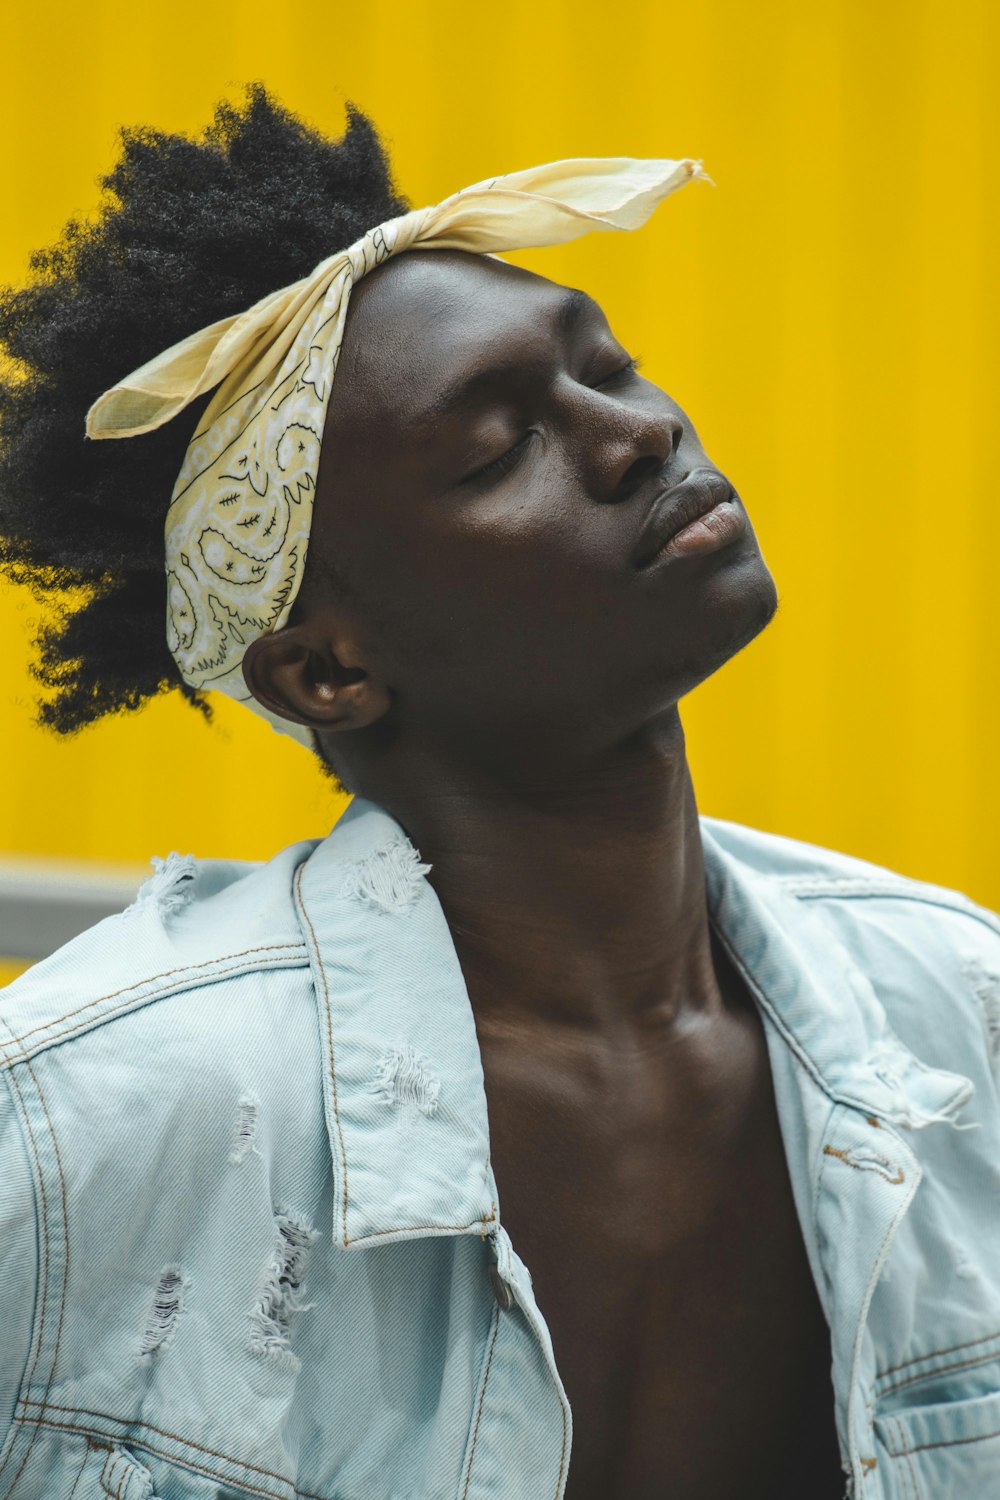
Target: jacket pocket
{"x": 86, "y": 1468}
{"x": 122, "y": 1476}
{"x": 946, "y": 1450}
{"x": 119, "y": 1475}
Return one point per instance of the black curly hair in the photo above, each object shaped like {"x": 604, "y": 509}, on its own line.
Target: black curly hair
{"x": 188, "y": 232}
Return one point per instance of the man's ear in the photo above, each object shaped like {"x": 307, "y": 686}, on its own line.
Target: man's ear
{"x": 298, "y": 677}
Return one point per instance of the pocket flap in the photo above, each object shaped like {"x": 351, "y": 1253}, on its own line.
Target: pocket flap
{"x": 124, "y": 1478}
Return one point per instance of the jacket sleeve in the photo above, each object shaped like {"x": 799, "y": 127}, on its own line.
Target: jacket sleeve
{"x": 18, "y": 1255}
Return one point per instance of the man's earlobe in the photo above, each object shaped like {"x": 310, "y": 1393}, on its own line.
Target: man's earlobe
{"x": 296, "y": 679}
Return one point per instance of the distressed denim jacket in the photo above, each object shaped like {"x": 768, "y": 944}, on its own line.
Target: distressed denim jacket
{"x": 251, "y": 1242}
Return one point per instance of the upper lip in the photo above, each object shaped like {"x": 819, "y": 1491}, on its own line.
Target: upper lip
{"x": 674, "y": 508}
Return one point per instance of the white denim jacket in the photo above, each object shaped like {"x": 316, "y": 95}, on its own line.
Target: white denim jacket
{"x": 250, "y": 1238}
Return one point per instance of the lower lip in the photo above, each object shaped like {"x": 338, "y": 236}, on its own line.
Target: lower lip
{"x": 724, "y": 523}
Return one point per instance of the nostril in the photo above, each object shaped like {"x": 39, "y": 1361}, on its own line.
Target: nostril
{"x": 641, "y": 470}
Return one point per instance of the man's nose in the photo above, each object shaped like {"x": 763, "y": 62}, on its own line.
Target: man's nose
{"x": 647, "y": 452}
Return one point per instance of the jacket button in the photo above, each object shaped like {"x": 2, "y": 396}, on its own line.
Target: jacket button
{"x": 501, "y": 1291}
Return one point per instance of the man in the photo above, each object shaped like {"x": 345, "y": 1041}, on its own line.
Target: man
{"x": 277, "y": 1245}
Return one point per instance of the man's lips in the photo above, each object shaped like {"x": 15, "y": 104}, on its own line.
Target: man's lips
{"x": 673, "y": 509}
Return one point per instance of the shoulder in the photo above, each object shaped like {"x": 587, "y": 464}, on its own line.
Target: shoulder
{"x": 820, "y": 875}
{"x": 929, "y": 950}
{"x": 144, "y": 1064}
{"x": 194, "y": 922}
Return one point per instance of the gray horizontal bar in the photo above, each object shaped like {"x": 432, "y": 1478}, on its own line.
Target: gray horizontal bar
{"x": 45, "y": 904}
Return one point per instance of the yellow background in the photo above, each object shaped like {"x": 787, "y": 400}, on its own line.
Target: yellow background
{"x": 827, "y": 315}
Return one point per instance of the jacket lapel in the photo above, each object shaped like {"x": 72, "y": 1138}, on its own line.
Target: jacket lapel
{"x": 403, "y": 1086}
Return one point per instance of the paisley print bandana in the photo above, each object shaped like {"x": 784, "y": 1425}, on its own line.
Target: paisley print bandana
{"x": 237, "y": 530}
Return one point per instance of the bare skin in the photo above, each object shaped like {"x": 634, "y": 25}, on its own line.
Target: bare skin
{"x": 493, "y": 667}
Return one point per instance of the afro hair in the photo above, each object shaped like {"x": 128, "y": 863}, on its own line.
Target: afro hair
{"x": 188, "y": 232}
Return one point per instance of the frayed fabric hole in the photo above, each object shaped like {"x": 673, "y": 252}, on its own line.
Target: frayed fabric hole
{"x": 885, "y": 1063}
{"x": 985, "y": 986}
{"x": 168, "y": 1305}
{"x": 963, "y": 1266}
{"x": 884, "y": 1056}
{"x": 246, "y": 1131}
{"x": 280, "y": 1298}
{"x": 390, "y": 878}
{"x": 913, "y": 1119}
{"x": 404, "y": 1079}
{"x": 170, "y": 888}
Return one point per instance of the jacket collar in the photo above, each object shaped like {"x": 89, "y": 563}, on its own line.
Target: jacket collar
{"x": 403, "y": 1083}
{"x": 402, "y": 1080}
{"x": 820, "y": 1000}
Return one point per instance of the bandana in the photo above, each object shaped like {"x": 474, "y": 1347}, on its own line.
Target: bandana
{"x": 237, "y": 530}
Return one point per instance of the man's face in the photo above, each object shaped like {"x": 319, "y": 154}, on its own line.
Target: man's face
{"x": 490, "y": 539}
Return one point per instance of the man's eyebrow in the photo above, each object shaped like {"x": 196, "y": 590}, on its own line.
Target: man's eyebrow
{"x": 571, "y": 308}
{"x": 468, "y": 390}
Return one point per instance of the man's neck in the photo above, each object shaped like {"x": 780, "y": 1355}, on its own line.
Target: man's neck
{"x": 577, "y": 901}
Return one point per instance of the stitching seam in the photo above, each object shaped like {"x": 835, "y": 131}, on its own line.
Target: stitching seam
{"x": 935, "y": 1354}
{"x": 171, "y": 1458}
{"x": 481, "y": 1403}
{"x": 42, "y": 1221}
{"x": 300, "y": 903}
{"x": 981, "y": 1437}
{"x": 138, "y": 1442}
{"x": 375, "y": 1233}
{"x": 790, "y": 1039}
{"x": 76, "y": 1481}
{"x": 979, "y": 914}
{"x": 60, "y": 1036}
{"x": 105, "y": 1416}
{"x": 152, "y": 979}
{"x": 65, "y": 1268}
{"x": 562, "y": 1455}
{"x": 961, "y": 1364}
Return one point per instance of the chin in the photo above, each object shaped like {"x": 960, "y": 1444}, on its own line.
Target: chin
{"x": 749, "y": 614}
{"x": 738, "y": 613}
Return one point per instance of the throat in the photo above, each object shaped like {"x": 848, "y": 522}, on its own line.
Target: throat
{"x": 579, "y": 899}
{"x": 642, "y": 1003}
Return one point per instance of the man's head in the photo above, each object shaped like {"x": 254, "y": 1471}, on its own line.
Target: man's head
{"x": 493, "y": 614}
{"x": 475, "y": 582}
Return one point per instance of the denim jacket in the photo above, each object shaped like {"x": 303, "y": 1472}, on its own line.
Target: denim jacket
{"x": 250, "y": 1238}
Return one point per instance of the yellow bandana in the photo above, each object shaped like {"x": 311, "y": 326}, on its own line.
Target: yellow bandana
{"x": 237, "y": 530}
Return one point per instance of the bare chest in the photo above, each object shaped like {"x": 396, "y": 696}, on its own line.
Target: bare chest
{"x": 650, "y": 1200}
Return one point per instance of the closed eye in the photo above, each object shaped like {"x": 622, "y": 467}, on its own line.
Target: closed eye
{"x": 509, "y": 460}
{"x": 635, "y": 363}
{"x": 504, "y": 463}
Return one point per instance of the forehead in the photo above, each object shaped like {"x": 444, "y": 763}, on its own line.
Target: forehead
{"x": 422, "y": 322}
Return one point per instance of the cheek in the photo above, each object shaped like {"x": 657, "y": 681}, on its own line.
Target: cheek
{"x": 489, "y": 630}
{"x": 482, "y": 596}
{"x": 544, "y": 558}
{"x": 525, "y": 571}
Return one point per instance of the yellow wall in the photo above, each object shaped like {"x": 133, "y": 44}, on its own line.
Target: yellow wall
{"x": 828, "y": 316}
